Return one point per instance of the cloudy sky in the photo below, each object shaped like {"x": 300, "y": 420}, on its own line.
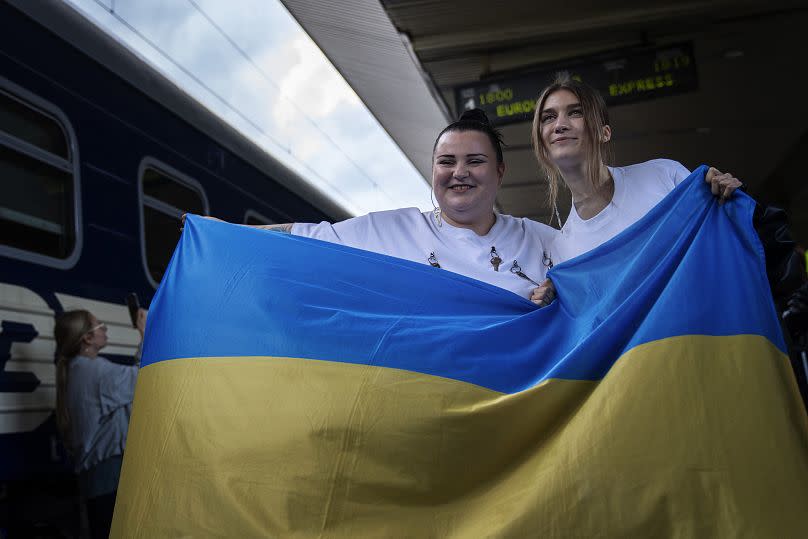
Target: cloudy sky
{"x": 251, "y": 63}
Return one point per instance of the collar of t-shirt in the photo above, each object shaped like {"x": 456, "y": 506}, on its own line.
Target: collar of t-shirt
{"x": 605, "y": 215}
{"x": 467, "y": 234}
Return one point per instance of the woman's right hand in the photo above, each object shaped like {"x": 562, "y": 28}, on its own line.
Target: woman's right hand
{"x": 182, "y": 219}
{"x": 277, "y": 227}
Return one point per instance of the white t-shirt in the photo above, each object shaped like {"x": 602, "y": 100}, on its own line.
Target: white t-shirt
{"x": 637, "y": 189}
{"x": 407, "y": 233}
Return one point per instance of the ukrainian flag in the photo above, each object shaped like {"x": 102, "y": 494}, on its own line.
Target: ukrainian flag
{"x": 294, "y": 388}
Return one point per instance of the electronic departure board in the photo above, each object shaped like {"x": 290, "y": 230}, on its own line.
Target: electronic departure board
{"x": 621, "y": 78}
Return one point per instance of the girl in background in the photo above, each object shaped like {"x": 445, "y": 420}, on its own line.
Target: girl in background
{"x": 93, "y": 404}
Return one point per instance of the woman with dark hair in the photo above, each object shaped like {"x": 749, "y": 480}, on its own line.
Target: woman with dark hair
{"x": 570, "y": 137}
{"x": 463, "y": 234}
{"x": 93, "y": 404}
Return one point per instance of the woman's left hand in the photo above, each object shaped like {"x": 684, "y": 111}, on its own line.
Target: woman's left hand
{"x": 722, "y": 184}
{"x": 544, "y": 294}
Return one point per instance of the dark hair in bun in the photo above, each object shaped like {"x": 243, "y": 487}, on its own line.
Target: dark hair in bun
{"x": 474, "y": 115}
{"x": 475, "y": 120}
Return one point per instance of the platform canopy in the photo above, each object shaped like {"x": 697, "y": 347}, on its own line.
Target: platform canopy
{"x": 739, "y": 106}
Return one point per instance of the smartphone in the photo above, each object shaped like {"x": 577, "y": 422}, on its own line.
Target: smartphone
{"x": 133, "y": 303}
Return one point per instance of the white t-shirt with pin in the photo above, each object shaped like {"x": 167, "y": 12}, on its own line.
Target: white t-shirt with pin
{"x": 413, "y": 235}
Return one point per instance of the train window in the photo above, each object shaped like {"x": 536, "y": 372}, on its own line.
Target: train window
{"x": 36, "y": 211}
{"x": 39, "y": 208}
{"x": 159, "y": 186}
{"x": 252, "y": 217}
{"x": 32, "y": 126}
{"x": 166, "y": 194}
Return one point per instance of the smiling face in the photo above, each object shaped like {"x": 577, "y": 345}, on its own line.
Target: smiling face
{"x": 564, "y": 133}
{"x": 466, "y": 178}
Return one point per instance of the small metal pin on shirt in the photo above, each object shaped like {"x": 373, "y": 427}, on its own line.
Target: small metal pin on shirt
{"x": 517, "y": 270}
{"x": 496, "y": 260}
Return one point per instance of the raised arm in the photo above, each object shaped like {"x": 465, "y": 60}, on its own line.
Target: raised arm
{"x": 286, "y": 228}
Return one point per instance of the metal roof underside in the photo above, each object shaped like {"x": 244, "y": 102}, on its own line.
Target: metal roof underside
{"x": 359, "y": 39}
{"x": 750, "y": 57}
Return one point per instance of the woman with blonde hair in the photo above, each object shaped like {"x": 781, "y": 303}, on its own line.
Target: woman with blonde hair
{"x": 93, "y": 404}
{"x": 571, "y": 135}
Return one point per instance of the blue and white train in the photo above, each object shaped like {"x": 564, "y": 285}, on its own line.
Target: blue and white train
{"x": 99, "y": 157}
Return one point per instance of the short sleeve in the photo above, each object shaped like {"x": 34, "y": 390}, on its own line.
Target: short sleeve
{"x": 320, "y": 231}
{"x": 117, "y": 387}
{"x": 677, "y": 171}
{"x": 353, "y": 232}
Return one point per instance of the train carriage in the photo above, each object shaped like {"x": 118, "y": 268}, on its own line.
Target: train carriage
{"x": 99, "y": 157}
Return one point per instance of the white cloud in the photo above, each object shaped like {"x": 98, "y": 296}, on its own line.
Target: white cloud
{"x": 313, "y": 83}
{"x": 289, "y": 99}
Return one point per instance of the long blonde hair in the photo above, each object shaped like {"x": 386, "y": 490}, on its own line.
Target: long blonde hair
{"x": 596, "y": 117}
{"x": 69, "y": 331}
